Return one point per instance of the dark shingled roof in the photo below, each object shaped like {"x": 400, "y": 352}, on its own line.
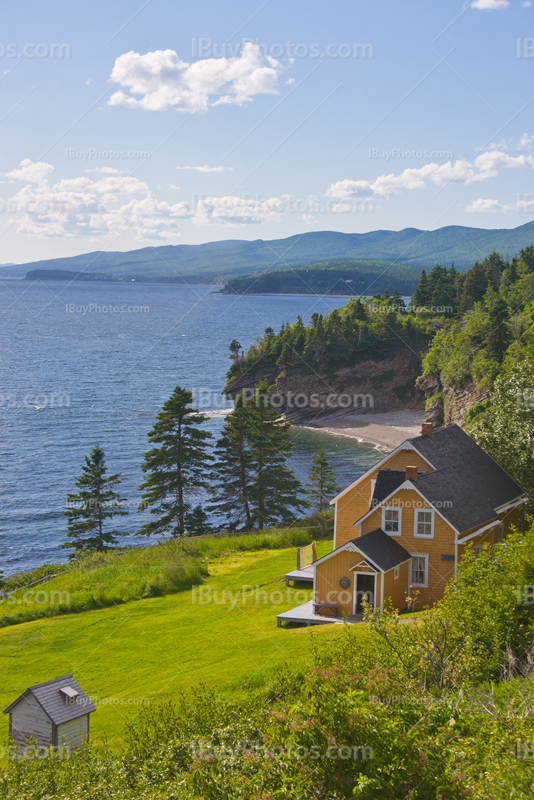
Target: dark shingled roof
{"x": 466, "y": 477}
{"x": 387, "y": 481}
{"x": 467, "y": 485}
{"x": 53, "y": 702}
{"x": 381, "y": 549}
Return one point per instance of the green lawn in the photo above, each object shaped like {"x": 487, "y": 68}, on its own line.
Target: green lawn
{"x": 151, "y": 649}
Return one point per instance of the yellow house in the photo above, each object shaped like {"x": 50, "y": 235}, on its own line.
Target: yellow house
{"x": 402, "y": 527}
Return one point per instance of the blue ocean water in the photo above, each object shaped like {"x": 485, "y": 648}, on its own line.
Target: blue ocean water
{"x": 75, "y": 373}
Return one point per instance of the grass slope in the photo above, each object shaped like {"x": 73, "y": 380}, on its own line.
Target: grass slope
{"x": 151, "y": 649}
{"x": 237, "y": 257}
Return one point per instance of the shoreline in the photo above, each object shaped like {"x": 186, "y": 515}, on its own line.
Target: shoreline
{"x": 287, "y": 294}
{"x": 385, "y": 431}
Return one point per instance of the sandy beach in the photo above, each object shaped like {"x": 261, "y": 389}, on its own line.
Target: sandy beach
{"x": 386, "y": 431}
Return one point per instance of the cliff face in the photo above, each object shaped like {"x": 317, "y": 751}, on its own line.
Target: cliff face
{"x": 370, "y": 386}
{"x": 446, "y": 405}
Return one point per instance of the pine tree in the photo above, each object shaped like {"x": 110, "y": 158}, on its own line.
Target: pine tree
{"x": 500, "y": 336}
{"x": 197, "y": 522}
{"x": 232, "y": 473}
{"x": 421, "y": 295}
{"x": 322, "y": 486}
{"x": 94, "y": 504}
{"x": 274, "y": 491}
{"x": 177, "y": 468}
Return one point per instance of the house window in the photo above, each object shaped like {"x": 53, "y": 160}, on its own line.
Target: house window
{"x": 391, "y": 521}
{"x": 478, "y": 549}
{"x": 419, "y": 570}
{"x": 396, "y": 574}
{"x": 500, "y": 533}
{"x": 424, "y": 523}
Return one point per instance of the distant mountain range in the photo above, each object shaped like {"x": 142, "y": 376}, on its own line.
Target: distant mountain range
{"x": 214, "y": 261}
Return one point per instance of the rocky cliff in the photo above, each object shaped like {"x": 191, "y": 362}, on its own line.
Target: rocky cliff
{"x": 303, "y": 395}
{"x": 445, "y": 405}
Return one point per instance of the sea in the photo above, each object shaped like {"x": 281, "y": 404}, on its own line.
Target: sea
{"x": 86, "y": 363}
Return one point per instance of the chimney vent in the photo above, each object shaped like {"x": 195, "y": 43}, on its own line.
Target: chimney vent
{"x": 411, "y": 473}
{"x": 427, "y": 429}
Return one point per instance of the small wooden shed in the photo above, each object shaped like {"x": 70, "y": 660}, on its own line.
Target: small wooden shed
{"x": 52, "y": 714}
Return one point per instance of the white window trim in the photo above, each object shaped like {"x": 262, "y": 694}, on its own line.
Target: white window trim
{"x": 425, "y": 584}
{"x": 391, "y": 508}
{"x": 500, "y": 533}
{"x": 396, "y": 574}
{"x": 422, "y": 535}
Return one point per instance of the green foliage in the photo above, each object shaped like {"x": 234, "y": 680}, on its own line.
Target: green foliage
{"x": 506, "y": 430}
{"x": 197, "y": 522}
{"x": 95, "y": 503}
{"x": 440, "y": 707}
{"x": 21, "y": 579}
{"x": 344, "y": 277}
{"x": 322, "y": 485}
{"x": 351, "y": 334}
{"x": 273, "y": 492}
{"x": 176, "y": 468}
{"x": 233, "y": 470}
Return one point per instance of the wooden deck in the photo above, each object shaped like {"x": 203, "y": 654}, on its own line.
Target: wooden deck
{"x": 306, "y": 616}
{"x": 304, "y": 574}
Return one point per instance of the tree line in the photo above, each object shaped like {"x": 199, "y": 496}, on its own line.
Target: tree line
{"x": 245, "y": 476}
{"x": 368, "y": 328}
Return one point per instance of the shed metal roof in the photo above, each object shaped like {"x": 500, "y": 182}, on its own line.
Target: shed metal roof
{"x": 53, "y": 701}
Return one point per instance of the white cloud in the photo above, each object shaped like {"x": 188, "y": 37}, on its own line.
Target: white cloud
{"x": 112, "y": 204}
{"x": 33, "y": 171}
{"x": 107, "y": 170}
{"x": 205, "y": 168}
{"x": 486, "y": 206}
{"x": 291, "y": 81}
{"x": 484, "y": 166}
{"x": 489, "y": 5}
{"x": 527, "y": 4}
{"x": 164, "y": 82}
{"x": 526, "y": 142}
{"x": 231, "y": 210}
{"x": 89, "y": 82}
{"x": 82, "y": 206}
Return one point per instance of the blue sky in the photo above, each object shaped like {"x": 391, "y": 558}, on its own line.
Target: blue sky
{"x": 127, "y": 125}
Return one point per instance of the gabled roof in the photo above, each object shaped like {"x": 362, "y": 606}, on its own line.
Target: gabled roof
{"x": 387, "y": 481}
{"x": 53, "y": 703}
{"x": 379, "y": 550}
{"x": 468, "y": 476}
{"x": 382, "y": 550}
{"x": 467, "y": 487}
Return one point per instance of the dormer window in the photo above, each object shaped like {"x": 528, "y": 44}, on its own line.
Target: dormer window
{"x": 69, "y": 694}
{"x": 424, "y": 523}
{"x": 391, "y": 521}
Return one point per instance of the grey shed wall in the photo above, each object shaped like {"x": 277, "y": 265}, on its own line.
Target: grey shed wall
{"x": 28, "y": 720}
{"x": 73, "y": 734}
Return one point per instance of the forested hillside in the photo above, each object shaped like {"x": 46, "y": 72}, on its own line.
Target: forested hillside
{"x": 235, "y": 257}
{"x": 346, "y": 277}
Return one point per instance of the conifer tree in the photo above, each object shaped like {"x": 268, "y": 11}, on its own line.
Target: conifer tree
{"x": 421, "y": 295}
{"x": 274, "y": 491}
{"x": 232, "y": 472}
{"x": 95, "y": 503}
{"x": 177, "y": 467}
{"x": 322, "y": 485}
{"x": 500, "y": 336}
{"x": 197, "y": 522}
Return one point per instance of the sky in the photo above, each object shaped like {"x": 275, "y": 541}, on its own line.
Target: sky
{"x": 136, "y": 124}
